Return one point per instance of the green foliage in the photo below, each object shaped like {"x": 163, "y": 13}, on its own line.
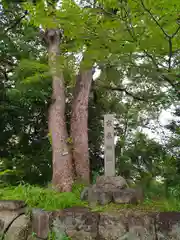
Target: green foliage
{"x": 54, "y": 236}
{"x": 50, "y": 138}
{"x": 43, "y": 198}
{"x": 174, "y": 191}
{"x": 154, "y": 191}
{"x": 77, "y": 188}
{"x": 7, "y": 171}
{"x": 155, "y": 199}
{"x": 27, "y": 68}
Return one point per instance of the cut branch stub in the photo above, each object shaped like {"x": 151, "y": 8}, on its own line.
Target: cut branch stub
{"x": 52, "y": 36}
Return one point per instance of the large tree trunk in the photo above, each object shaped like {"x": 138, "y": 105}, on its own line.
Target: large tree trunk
{"x": 62, "y": 158}
{"x": 79, "y": 125}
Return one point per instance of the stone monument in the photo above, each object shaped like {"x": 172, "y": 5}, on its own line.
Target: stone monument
{"x": 109, "y": 146}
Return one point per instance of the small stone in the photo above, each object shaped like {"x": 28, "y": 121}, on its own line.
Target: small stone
{"x": 19, "y": 229}
{"x": 112, "y": 226}
{"x": 7, "y": 217}
{"x": 105, "y": 198}
{"x": 41, "y": 223}
{"x": 110, "y": 183}
{"x": 84, "y": 194}
{"x": 168, "y": 225}
{"x": 11, "y": 204}
{"x": 141, "y": 226}
{"x": 125, "y": 196}
{"x": 97, "y": 195}
{"x": 79, "y": 223}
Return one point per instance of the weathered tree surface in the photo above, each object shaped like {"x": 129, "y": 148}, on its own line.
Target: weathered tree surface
{"x": 79, "y": 125}
{"x": 62, "y": 158}
{"x": 63, "y": 172}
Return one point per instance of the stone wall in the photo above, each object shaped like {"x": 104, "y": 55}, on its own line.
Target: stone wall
{"x": 17, "y": 223}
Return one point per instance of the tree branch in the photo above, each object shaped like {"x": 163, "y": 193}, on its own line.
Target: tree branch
{"x": 154, "y": 19}
{"x": 129, "y": 24}
{"x": 170, "y": 82}
{"x": 152, "y": 59}
{"x": 120, "y": 89}
{"x": 166, "y": 78}
{"x": 169, "y": 37}
{"x": 176, "y": 32}
{"x": 5, "y": 76}
{"x": 170, "y": 53}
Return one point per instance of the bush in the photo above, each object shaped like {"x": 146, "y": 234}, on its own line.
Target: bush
{"x": 155, "y": 190}
{"x": 174, "y": 191}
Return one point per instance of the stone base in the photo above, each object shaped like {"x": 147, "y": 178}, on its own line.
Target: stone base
{"x": 80, "y": 223}
{"x": 111, "y": 189}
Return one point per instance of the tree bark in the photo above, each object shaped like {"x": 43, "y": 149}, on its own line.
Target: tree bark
{"x": 79, "y": 125}
{"x": 62, "y": 158}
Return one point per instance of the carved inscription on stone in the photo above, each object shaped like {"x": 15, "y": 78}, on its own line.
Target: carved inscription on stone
{"x": 109, "y": 152}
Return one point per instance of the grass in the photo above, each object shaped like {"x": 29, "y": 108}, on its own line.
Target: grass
{"x": 44, "y": 198}
{"x": 161, "y": 205}
{"x": 48, "y": 199}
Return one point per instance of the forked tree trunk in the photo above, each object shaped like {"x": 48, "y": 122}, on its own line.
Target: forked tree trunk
{"x": 79, "y": 125}
{"x": 62, "y": 158}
